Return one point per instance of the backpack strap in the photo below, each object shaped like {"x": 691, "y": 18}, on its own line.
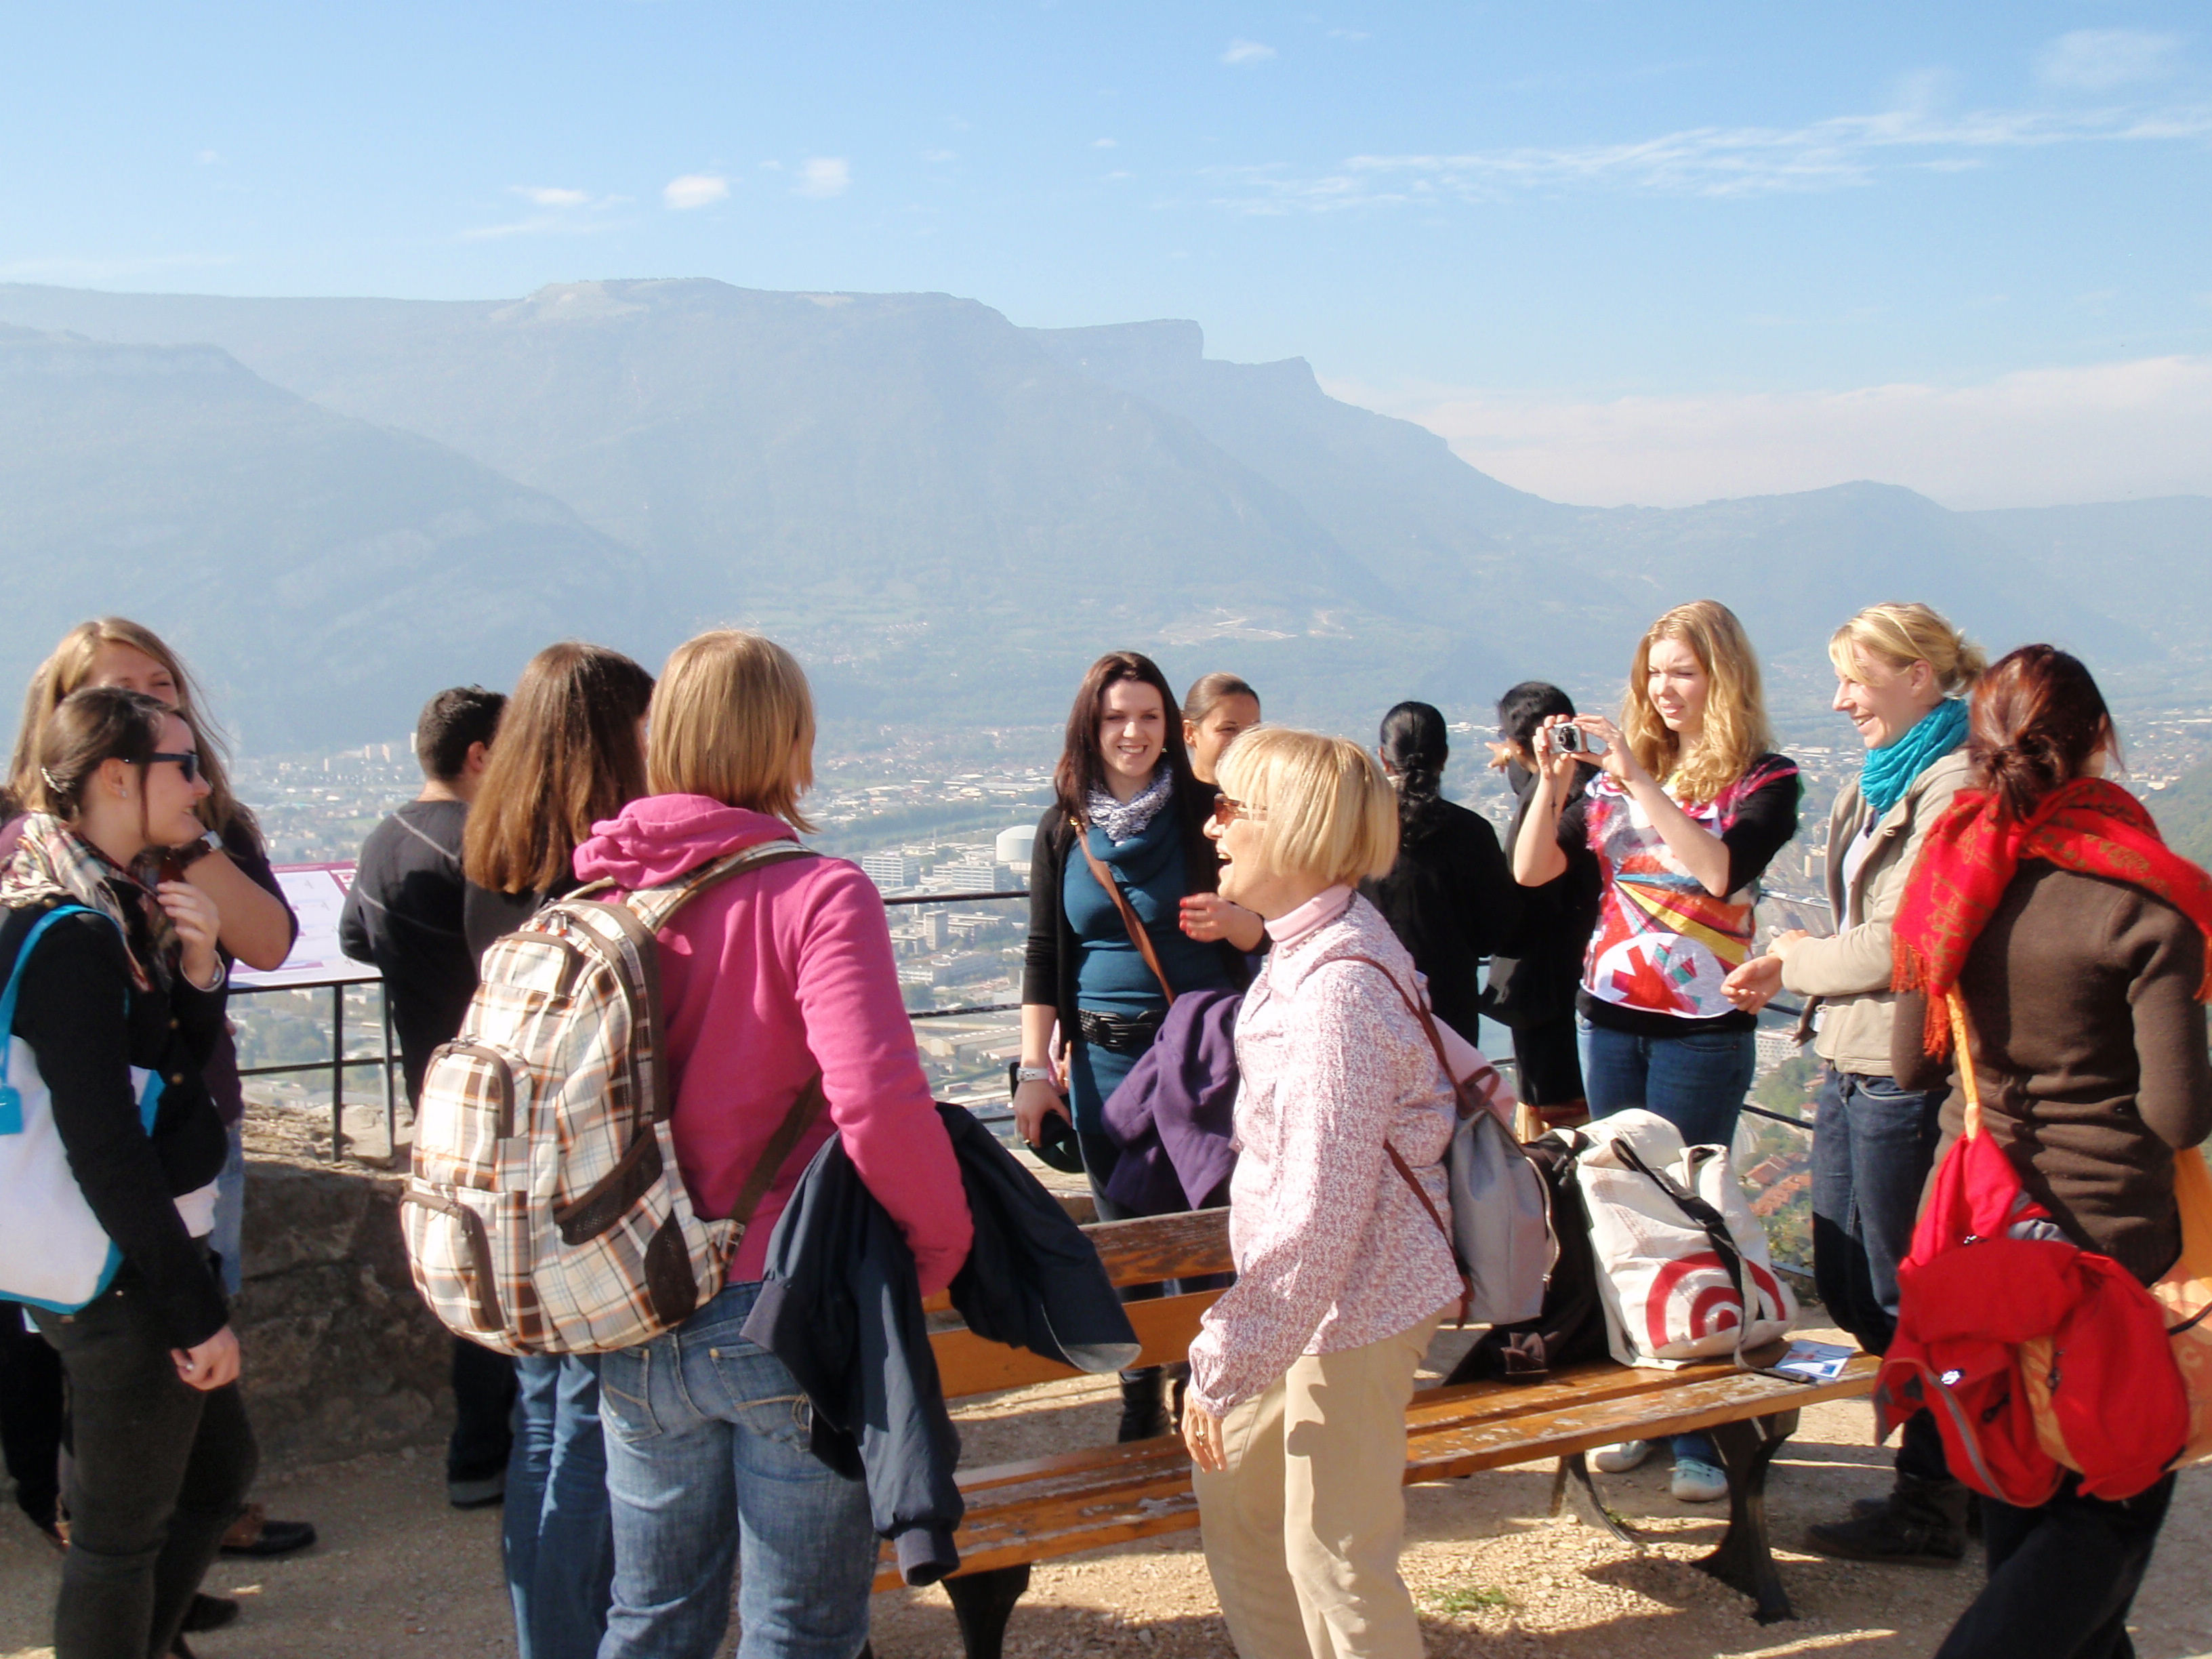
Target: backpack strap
{"x": 796, "y": 1123}
{"x": 1465, "y": 1110}
{"x": 1138, "y": 936}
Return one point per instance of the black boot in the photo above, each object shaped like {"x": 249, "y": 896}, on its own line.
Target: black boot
{"x": 1920, "y": 1523}
{"x": 1142, "y": 1414}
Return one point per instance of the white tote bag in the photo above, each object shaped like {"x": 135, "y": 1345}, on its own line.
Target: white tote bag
{"x": 1682, "y": 1262}
{"x": 54, "y": 1253}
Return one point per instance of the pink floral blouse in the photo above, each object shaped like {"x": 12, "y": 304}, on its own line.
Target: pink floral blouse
{"x": 1333, "y": 1250}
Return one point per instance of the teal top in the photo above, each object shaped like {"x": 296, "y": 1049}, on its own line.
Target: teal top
{"x": 1110, "y": 975}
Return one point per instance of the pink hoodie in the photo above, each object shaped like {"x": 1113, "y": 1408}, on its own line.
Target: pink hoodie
{"x": 765, "y": 979}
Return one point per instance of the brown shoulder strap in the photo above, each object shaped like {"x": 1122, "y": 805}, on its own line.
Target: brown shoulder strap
{"x": 788, "y": 1133}
{"x": 1138, "y": 936}
{"x": 1459, "y": 1095}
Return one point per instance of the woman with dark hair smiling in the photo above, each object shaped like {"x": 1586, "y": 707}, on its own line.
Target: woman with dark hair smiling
{"x": 1118, "y": 852}
{"x": 2046, "y": 903}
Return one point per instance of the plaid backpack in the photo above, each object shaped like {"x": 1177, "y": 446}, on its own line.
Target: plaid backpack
{"x": 544, "y": 1212}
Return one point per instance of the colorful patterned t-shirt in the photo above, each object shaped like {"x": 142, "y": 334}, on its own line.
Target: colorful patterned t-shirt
{"x": 1662, "y": 944}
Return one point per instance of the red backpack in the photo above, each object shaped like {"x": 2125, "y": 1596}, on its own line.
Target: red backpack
{"x": 2036, "y": 1356}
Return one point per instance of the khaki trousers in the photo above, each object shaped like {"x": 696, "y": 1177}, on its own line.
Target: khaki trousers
{"x": 1302, "y": 1534}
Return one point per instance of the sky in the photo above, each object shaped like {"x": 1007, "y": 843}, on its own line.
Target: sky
{"x": 1612, "y": 252}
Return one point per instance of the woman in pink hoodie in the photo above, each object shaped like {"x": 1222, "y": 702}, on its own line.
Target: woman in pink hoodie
{"x": 770, "y": 979}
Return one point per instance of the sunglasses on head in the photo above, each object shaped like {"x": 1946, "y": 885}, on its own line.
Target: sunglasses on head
{"x": 1227, "y": 810}
{"x": 187, "y": 761}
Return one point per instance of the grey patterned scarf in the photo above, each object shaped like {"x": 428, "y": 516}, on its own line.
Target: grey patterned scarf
{"x": 1126, "y": 820}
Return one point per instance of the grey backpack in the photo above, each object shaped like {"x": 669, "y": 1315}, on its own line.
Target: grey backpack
{"x": 1501, "y": 1210}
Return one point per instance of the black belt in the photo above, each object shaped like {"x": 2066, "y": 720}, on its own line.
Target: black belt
{"x": 1120, "y": 1033}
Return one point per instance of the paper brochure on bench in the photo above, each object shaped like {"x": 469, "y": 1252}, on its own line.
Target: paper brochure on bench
{"x": 1816, "y": 1362}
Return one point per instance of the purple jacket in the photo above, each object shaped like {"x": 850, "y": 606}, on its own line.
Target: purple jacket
{"x": 1175, "y": 1112}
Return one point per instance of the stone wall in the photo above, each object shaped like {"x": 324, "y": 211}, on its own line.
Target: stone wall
{"x": 341, "y": 1357}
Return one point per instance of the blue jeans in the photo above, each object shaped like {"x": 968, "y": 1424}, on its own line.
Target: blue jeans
{"x": 230, "y": 1212}
{"x": 1696, "y": 1081}
{"x": 557, "y": 1535}
{"x": 708, "y": 1470}
{"x": 1873, "y": 1145}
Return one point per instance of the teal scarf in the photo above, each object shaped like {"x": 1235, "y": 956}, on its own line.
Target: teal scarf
{"x": 1890, "y": 772}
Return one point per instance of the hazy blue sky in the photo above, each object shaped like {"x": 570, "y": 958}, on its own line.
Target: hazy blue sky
{"x": 1614, "y": 251}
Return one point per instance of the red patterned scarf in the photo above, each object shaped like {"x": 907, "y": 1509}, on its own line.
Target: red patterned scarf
{"x": 2089, "y": 826}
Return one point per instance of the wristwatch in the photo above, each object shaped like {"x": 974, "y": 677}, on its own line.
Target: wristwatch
{"x": 183, "y": 858}
{"x": 1017, "y": 1075}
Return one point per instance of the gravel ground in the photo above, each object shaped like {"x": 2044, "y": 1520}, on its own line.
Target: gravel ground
{"x": 398, "y": 1572}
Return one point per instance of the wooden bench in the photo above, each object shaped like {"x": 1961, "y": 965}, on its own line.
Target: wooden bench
{"x": 1025, "y": 1512}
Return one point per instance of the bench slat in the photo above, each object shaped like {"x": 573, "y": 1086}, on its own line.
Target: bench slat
{"x": 969, "y": 1365}
{"x": 1084, "y": 1500}
{"x": 1151, "y": 1250}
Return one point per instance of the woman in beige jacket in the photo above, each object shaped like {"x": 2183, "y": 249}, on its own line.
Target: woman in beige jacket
{"x": 1901, "y": 672}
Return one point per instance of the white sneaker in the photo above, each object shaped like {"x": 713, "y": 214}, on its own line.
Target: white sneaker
{"x": 1619, "y": 1458}
{"x": 1696, "y": 1481}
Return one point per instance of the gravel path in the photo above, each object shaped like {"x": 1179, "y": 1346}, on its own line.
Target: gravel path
{"x": 399, "y": 1573}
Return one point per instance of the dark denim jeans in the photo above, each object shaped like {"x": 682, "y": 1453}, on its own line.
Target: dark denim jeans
{"x": 1696, "y": 1081}
{"x": 483, "y": 1412}
{"x": 30, "y": 1416}
{"x": 709, "y": 1470}
{"x": 2061, "y": 1578}
{"x": 158, "y": 1472}
{"x": 1873, "y": 1145}
{"x": 557, "y": 1534}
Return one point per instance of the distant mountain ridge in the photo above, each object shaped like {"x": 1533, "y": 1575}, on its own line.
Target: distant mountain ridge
{"x": 946, "y": 514}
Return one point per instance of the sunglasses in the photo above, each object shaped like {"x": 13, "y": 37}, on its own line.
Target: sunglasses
{"x": 187, "y": 761}
{"x": 1227, "y": 811}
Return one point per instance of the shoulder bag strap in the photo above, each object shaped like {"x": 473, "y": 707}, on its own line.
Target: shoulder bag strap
{"x": 31, "y": 938}
{"x": 1138, "y": 936}
{"x": 796, "y": 1123}
{"x": 1397, "y": 1159}
{"x": 1962, "y": 1048}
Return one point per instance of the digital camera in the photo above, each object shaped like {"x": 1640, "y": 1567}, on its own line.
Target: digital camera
{"x": 1569, "y": 740}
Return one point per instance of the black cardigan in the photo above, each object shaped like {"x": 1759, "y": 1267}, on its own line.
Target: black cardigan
{"x": 88, "y": 1025}
{"x": 1051, "y": 955}
{"x": 1451, "y": 901}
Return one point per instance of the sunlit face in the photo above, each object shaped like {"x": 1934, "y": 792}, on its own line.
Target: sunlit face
{"x": 1132, "y": 729}
{"x": 1885, "y": 703}
{"x": 117, "y": 664}
{"x": 1210, "y": 738}
{"x": 169, "y": 818}
{"x": 1244, "y": 879}
{"x": 1677, "y": 685}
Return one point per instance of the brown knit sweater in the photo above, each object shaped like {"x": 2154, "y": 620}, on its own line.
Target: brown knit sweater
{"x": 2089, "y": 1045}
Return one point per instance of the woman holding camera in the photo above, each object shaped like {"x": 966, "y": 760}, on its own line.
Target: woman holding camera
{"x": 1296, "y": 1416}
{"x": 128, "y": 987}
{"x": 1127, "y": 814}
{"x": 1687, "y": 807}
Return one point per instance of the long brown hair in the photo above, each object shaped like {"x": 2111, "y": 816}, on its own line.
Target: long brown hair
{"x": 1735, "y": 733}
{"x": 69, "y": 669}
{"x": 567, "y": 756}
{"x": 1082, "y": 767}
{"x": 90, "y": 727}
{"x": 2035, "y": 720}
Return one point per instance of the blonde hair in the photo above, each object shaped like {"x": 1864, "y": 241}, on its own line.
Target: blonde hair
{"x": 1736, "y": 732}
{"x": 1323, "y": 806}
{"x": 733, "y": 718}
{"x": 69, "y": 669}
{"x": 1897, "y": 635}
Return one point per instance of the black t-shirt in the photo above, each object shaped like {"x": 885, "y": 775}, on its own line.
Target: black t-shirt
{"x": 1451, "y": 901}
{"x": 405, "y": 916}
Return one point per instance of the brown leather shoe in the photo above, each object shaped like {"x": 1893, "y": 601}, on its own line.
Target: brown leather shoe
{"x": 254, "y": 1534}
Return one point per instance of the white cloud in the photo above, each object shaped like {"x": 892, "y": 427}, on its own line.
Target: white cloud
{"x": 823, "y": 176}
{"x": 2038, "y": 438}
{"x": 207, "y": 158}
{"x": 1102, "y": 143}
{"x": 1349, "y": 35}
{"x": 547, "y": 195}
{"x": 1247, "y": 52}
{"x": 940, "y": 155}
{"x": 1841, "y": 152}
{"x": 694, "y": 190}
{"x": 2097, "y": 60}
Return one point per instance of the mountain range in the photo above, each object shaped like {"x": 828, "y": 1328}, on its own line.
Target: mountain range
{"x": 336, "y": 506}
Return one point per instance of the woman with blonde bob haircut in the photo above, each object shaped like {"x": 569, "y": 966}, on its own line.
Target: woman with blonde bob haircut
{"x": 1296, "y": 1413}
{"x": 1688, "y": 808}
{"x": 774, "y": 980}
{"x": 1902, "y": 676}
